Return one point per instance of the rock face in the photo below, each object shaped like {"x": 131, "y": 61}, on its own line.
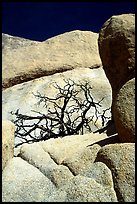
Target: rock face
{"x": 76, "y": 168}
{"x": 120, "y": 159}
{"x": 48, "y": 171}
{"x": 124, "y": 112}
{"x": 19, "y": 178}
{"x": 117, "y": 49}
{"x": 76, "y": 49}
{"x": 8, "y": 129}
{"x": 21, "y": 96}
{"x": 10, "y": 42}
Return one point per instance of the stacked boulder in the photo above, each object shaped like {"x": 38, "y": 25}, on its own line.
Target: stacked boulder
{"x": 117, "y": 52}
{"x": 38, "y": 66}
{"x": 76, "y": 168}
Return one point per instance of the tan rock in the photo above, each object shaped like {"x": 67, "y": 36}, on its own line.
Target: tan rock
{"x": 124, "y": 112}
{"x": 117, "y": 49}
{"x": 120, "y": 159}
{"x": 67, "y": 51}
{"x": 53, "y": 156}
{"x": 10, "y": 42}
{"x": 58, "y": 174}
{"x": 38, "y": 163}
{"x": 69, "y": 147}
{"x": 8, "y": 129}
{"x": 81, "y": 160}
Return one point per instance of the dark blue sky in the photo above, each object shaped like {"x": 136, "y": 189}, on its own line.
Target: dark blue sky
{"x": 40, "y": 21}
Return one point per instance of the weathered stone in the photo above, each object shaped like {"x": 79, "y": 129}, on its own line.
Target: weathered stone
{"x": 75, "y": 168}
{"x": 100, "y": 172}
{"x": 10, "y": 42}
{"x": 84, "y": 189}
{"x": 8, "y": 129}
{"x": 120, "y": 159}
{"x": 22, "y": 96}
{"x": 124, "y": 112}
{"x": 22, "y": 182}
{"x": 117, "y": 49}
{"x": 40, "y": 159}
{"x": 67, "y": 148}
{"x": 43, "y": 161}
{"x": 75, "y": 49}
{"x": 82, "y": 159}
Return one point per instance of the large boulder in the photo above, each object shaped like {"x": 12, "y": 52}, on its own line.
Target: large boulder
{"x": 28, "y": 60}
{"x": 124, "y": 112}
{"x": 8, "y": 129}
{"x": 85, "y": 189}
{"x": 80, "y": 150}
{"x": 22, "y": 97}
{"x": 120, "y": 159}
{"x": 22, "y": 182}
{"x": 39, "y": 173}
{"x": 117, "y": 49}
{"x": 43, "y": 160}
{"x": 50, "y": 171}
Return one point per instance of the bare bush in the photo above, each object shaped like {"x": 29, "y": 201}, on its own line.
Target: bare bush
{"x": 66, "y": 114}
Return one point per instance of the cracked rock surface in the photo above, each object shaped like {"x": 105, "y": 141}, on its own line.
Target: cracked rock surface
{"x": 50, "y": 171}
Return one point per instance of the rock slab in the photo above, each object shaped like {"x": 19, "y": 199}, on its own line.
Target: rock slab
{"x": 28, "y": 60}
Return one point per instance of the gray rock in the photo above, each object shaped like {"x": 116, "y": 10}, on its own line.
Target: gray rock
{"x": 106, "y": 174}
{"x": 44, "y": 166}
{"x": 84, "y": 189}
{"x": 120, "y": 159}
{"x": 22, "y": 182}
{"x": 81, "y": 188}
{"x": 40, "y": 159}
{"x": 100, "y": 172}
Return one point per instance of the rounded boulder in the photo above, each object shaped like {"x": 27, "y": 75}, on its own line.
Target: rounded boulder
{"x": 117, "y": 50}
{"x": 124, "y": 112}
